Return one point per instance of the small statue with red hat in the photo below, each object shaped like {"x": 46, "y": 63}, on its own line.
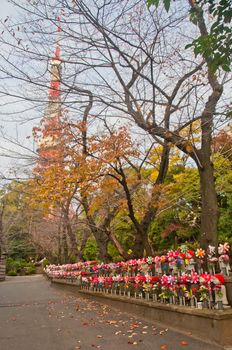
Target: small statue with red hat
{"x": 219, "y": 289}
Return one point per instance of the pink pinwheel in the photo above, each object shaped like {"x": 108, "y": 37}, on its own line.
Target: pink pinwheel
{"x": 189, "y": 254}
{"x": 95, "y": 280}
{"x": 223, "y": 248}
{"x": 157, "y": 261}
{"x": 137, "y": 280}
{"x": 171, "y": 279}
{"x": 141, "y": 261}
{"x": 116, "y": 278}
{"x": 85, "y": 279}
{"x": 194, "y": 277}
{"x": 101, "y": 280}
{"x": 205, "y": 277}
{"x": 171, "y": 254}
{"x": 184, "y": 278}
{"x": 164, "y": 280}
{"x": 132, "y": 262}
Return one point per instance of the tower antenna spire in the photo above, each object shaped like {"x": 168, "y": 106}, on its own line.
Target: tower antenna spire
{"x": 54, "y": 91}
{"x": 57, "y": 53}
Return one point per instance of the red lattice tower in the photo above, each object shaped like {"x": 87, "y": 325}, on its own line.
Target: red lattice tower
{"x": 50, "y": 147}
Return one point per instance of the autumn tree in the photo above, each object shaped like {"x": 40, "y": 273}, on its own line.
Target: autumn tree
{"x": 125, "y": 163}
{"x": 162, "y": 93}
{"x": 17, "y": 220}
{"x": 126, "y": 62}
{"x": 98, "y": 202}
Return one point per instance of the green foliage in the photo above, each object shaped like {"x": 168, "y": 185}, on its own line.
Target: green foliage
{"x": 224, "y": 190}
{"x": 29, "y": 270}
{"x": 169, "y": 230}
{"x": 167, "y": 3}
{"x": 12, "y": 273}
{"x": 21, "y": 248}
{"x": 123, "y": 229}
{"x": 216, "y": 46}
{"x": 113, "y": 252}
{"x": 90, "y": 251}
{"x": 16, "y": 222}
{"x": 14, "y": 265}
{"x": 45, "y": 262}
{"x": 19, "y": 266}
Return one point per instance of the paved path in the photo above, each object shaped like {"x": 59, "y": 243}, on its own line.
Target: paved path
{"x": 35, "y": 315}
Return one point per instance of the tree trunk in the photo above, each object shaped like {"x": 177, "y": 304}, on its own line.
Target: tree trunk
{"x": 139, "y": 236}
{"x": 138, "y": 246}
{"x": 209, "y": 210}
{"x": 85, "y": 237}
{"x": 102, "y": 243}
{"x": 118, "y": 246}
{"x": 71, "y": 235}
{"x": 59, "y": 244}
{"x": 64, "y": 246}
{"x": 100, "y": 235}
{"x": 209, "y": 206}
{"x": 147, "y": 246}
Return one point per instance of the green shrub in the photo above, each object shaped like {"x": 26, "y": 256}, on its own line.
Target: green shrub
{"x": 11, "y": 273}
{"x": 45, "y": 262}
{"x": 91, "y": 250}
{"x": 13, "y": 265}
{"x": 19, "y": 266}
{"x": 29, "y": 270}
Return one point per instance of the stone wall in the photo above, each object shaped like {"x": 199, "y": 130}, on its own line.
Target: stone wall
{"x": 2, "y": 268}
{"x": 228, "y": 285}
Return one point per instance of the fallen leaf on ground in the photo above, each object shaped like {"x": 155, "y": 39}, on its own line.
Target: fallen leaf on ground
{"x": 164, "y": 347}
{"x": 184, "y": 343}
{"x": 111, "y": 321}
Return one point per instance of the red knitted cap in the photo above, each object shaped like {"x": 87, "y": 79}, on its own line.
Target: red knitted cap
{"x": 220, "y": 278}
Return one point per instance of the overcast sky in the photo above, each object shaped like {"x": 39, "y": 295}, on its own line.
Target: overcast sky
{"x": 6, "y": 9}
{"x": 10, "y": 128}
